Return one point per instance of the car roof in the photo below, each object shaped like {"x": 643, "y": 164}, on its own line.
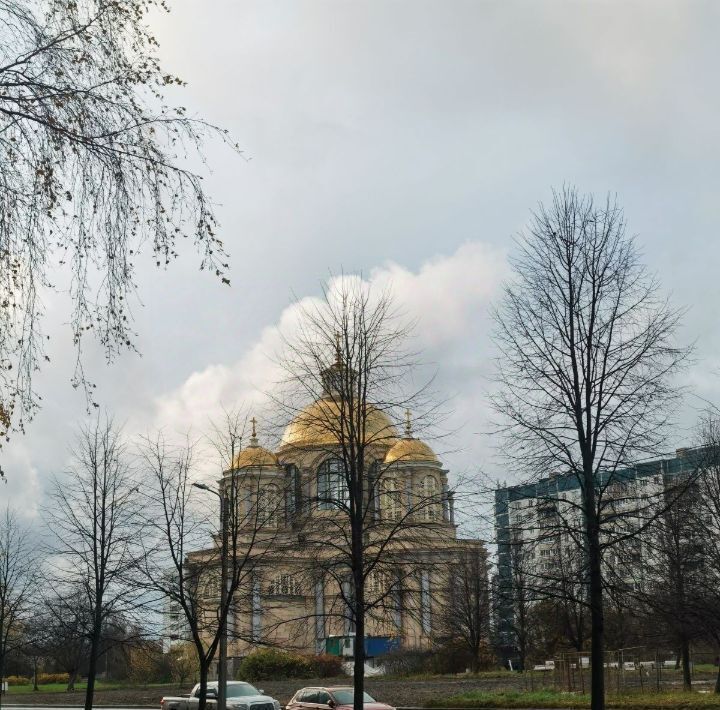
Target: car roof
{"x": 212, "y": 683}
{"x": 328, "y": 688}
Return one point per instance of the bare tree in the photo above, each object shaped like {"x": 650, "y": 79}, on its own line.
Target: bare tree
{"x": 560, "y": 584}
{"x": 586, "y": 368}
{"x": 383, "y": 535}
{"x": 92, "y": 165}
{"x": 516, "y": 599}
{"x": 706, "y": 516}
{"x": 179, "y": 565}
{"x": 673, "y": 572}
{"x": 66, "y": 631}
{"x": 466, "y": 615}
{"x": 18, "y": 575}
{"x": 94, "y": 518}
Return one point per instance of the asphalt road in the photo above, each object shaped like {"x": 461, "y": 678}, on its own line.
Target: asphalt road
{"x": 74, "y": 707}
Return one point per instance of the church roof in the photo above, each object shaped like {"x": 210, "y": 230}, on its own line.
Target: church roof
{"x": 412, "y": 451}
{"x": 409, "y": 449}
{"x": 318, "y": 425}
{"x": 254, "y": 455}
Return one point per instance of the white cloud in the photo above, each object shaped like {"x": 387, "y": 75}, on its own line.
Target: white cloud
{"x": 447, "y": 297}
{"x": 447, "y": 291}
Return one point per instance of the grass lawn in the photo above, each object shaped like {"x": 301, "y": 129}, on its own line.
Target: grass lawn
{"x": 62, "y": 687}
{"x": 554, "y": 699}
{"x": 392, "y": 677}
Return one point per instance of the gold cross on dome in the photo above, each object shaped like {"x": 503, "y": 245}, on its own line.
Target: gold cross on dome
{"x": 253, "y": 421}
{"x": 408, "y": 424}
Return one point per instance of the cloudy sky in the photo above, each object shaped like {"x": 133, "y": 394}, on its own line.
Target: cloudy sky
{"x": 407, "y": 141}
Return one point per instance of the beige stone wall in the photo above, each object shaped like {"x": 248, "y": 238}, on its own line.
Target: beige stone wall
{"x": 293, "y": 549}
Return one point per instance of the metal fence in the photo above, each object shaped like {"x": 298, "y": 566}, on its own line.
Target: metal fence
{"x": 637, "y": 669}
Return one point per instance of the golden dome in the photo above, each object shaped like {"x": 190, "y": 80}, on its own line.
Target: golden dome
{"x": 255, "y": 457}
{"x": 318, "y": 424}
{"x": 411, "y": 450}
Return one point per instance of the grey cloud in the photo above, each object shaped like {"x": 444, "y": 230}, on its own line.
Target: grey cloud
{"x": 399, "y": 131}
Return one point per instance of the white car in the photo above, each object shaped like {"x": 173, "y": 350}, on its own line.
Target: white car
{"x": 240, "y": 696}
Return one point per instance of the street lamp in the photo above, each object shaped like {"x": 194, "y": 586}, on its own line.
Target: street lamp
{"x": 222, "y": 659}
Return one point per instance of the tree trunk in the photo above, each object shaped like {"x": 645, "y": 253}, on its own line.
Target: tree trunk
{"x": 2, "y": 672}
{"x": 71, "y": 681}
{"x": 522, "y": 654}
{"x": 597, "y": 641}
{"x": 359, "y": 614}
{"x": 35, "y": 680}
{"x": 597, "y": 616}
{"x": 359, "y": 662}
{"x": 92, "y": 666}
{"x": 202, "y": 700}
{"x": 717, "y": 678}
{"x": 685, "y": 659}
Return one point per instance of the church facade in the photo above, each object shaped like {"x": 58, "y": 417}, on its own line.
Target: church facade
{"x": 293, "y": 501}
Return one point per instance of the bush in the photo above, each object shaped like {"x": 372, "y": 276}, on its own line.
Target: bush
{"x": 326, "y": 666}
{"x": 406, "y": 661}
{"x": 148, "y": 664}
{"x": 183, "y": 663}
{"x": 17, "y": 680}
{"x": 46, "y": 678}
{"x": 270, "y": 664}
{"x": 447, "y": 659}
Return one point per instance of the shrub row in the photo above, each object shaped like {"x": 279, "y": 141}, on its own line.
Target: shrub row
{"x": 271, "y": 664}
{"x": 448, "y": 659}
{"x": 43, "y": 679}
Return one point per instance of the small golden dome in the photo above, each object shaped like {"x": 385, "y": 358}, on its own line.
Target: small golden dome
{"x": 319, "y": 423}
{"x": 255, "y": 456}
{"x": 411, "y": 450}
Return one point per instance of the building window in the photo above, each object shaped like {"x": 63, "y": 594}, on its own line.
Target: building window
{"x": 377, "y": 584}
{"x": 425, "y": 610}
{"x": 285, "y": 585}
{"x": 430, "y": 498}
{"x": 256, "y": 613}
{"x": 391, "y": 499}
{"x": 292, "y": 490}
{"x": 268, "y": 505}
{"x": 332, "y": 489}
{"x": 210, "y": 585}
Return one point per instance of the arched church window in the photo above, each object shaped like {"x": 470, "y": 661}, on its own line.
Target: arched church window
{"x": 292, "y": 490}
{"x": 430, "y": 498}
{"x": 210, "y": 585}
{"x": 285, "y": 585}
{"x": 332, "y": 489}
{"x": 268, "y": 504}
{"x": 391, "y": 506}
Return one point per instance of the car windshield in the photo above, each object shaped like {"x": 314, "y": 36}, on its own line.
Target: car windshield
{"x": 240, "y": 689}
{"x": 345, "y": 697}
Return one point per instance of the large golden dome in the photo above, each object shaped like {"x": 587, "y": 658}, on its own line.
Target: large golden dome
{"x": 411, "y": 451}
{"x": 318, "y": 424}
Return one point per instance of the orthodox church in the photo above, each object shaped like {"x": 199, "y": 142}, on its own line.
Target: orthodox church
{"x": 293, "y": 504}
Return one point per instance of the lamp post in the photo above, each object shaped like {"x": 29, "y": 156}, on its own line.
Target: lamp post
{"x": 222, "y": 650}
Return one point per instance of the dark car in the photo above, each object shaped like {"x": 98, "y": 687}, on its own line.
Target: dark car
{"x": 340, "y": 696}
